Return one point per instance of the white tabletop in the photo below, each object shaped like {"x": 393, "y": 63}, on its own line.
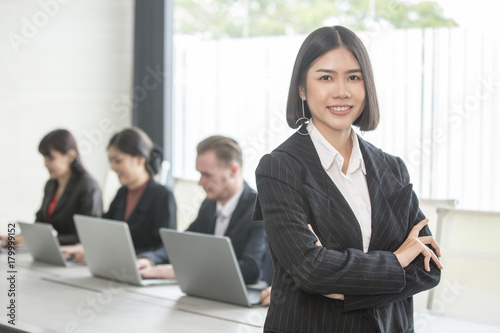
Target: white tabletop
{"x": 60, "y": 299}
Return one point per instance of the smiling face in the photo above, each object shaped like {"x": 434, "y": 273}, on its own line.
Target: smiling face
{"x": 334, "y": 92}
{"x": 128, "y": 168}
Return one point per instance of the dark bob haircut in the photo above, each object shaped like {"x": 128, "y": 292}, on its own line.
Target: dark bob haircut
{"x": 135, "y": 142}
{"x": 62, "y": 141}
{"x": 314, "y": 46}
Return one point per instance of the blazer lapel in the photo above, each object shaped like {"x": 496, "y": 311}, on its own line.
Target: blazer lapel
{"x": 66, "y": 194}
{"x": 385, "y": 191}
{"x": 239, "y": 209}
{"x": 49, "y": 194}
{"x": 302, "y": 148}
{"x": 211, "y": 218}
{"x": 142, "y": 205}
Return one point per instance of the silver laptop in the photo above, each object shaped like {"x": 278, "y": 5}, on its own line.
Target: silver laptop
{"x": 109, "y": 251}
{"x": 206, "y": 266}
{"x": 42, "y": 243}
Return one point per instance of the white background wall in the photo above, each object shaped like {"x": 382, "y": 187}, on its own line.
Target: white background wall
{"x": 63, "y": 64}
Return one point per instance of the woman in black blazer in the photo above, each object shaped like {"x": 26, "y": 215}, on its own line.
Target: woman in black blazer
{"x": 70, "y": 189}
{"x": 350, "y": 246}
{"x": 143, "y": 203}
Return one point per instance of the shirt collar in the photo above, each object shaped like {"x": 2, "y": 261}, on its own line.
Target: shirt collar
{"x": 327, "y": 153}
{"x": 230, "y": 206}
{"x": 356, "y": 156}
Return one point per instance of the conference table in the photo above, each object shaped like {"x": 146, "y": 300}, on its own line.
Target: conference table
{"x": 51, "y": 298}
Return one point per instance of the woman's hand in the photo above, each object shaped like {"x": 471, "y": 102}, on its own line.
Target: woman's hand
{"x": 317, "y": 243}
{"x": 73, "y": 252}
{"x": 158, "y": 272}
{"x": 4, "y": 240}
{"x": 339, "y": 297}
{"x": 265, "y": 297}
{"x": 415, "y": 245}
{"x": 144, "y": 263}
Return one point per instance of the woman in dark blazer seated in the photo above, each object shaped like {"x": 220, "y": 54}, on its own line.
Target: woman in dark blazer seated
{"x": 143, "y": 203}
{"x": 349, "y": 244}
{"x": 70, "y": 189}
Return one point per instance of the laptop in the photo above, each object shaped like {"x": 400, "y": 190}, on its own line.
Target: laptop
{"x": 109, "y": 251}
{"x": 42, "y": 243}
{"x": 206, "y": 266}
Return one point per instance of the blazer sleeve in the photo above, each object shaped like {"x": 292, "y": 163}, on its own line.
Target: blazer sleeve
{"x": 204, "y": 219}
{"x": 158, "y": 256}
{"x": 314, "y": 269}
{"x": 39, "y": 215}
{"x": 172, "y": 210}
{"x": 68, "y": 239}
{"x": 116, "y": 207}
{"x": 87, "y": 202}
{"x": 251, "y": 258}
{"x": 165, "y": 215}
{"x": 90, "y": 199}
{"x": 417, "y": 279}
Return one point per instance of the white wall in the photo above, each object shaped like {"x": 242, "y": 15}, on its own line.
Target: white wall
{"x": 63, "y": 64}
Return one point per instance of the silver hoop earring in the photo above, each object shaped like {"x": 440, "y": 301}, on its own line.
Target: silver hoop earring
{"x": 302, "y": 121}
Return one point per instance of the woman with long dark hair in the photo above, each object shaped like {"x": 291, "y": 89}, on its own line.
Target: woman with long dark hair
{"x": 143, "y": 203}
{"x": 70, "y": 189}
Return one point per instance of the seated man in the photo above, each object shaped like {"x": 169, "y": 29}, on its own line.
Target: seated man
{"x": 227, "y": 210}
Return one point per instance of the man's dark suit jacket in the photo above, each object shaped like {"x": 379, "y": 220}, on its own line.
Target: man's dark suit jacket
{"x": 156, "y": 209}
{"x": 247, "y": 236}
{"x": 81, "y": 196}
{"x": 294, "y": 190}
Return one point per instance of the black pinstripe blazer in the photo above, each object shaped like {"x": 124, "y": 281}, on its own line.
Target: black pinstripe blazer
{"x": 293, "y": 191}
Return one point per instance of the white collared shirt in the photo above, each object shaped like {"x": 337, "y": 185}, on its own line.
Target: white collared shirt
{"x": 353, "y": 184}
{"x": 225, "y": 212}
